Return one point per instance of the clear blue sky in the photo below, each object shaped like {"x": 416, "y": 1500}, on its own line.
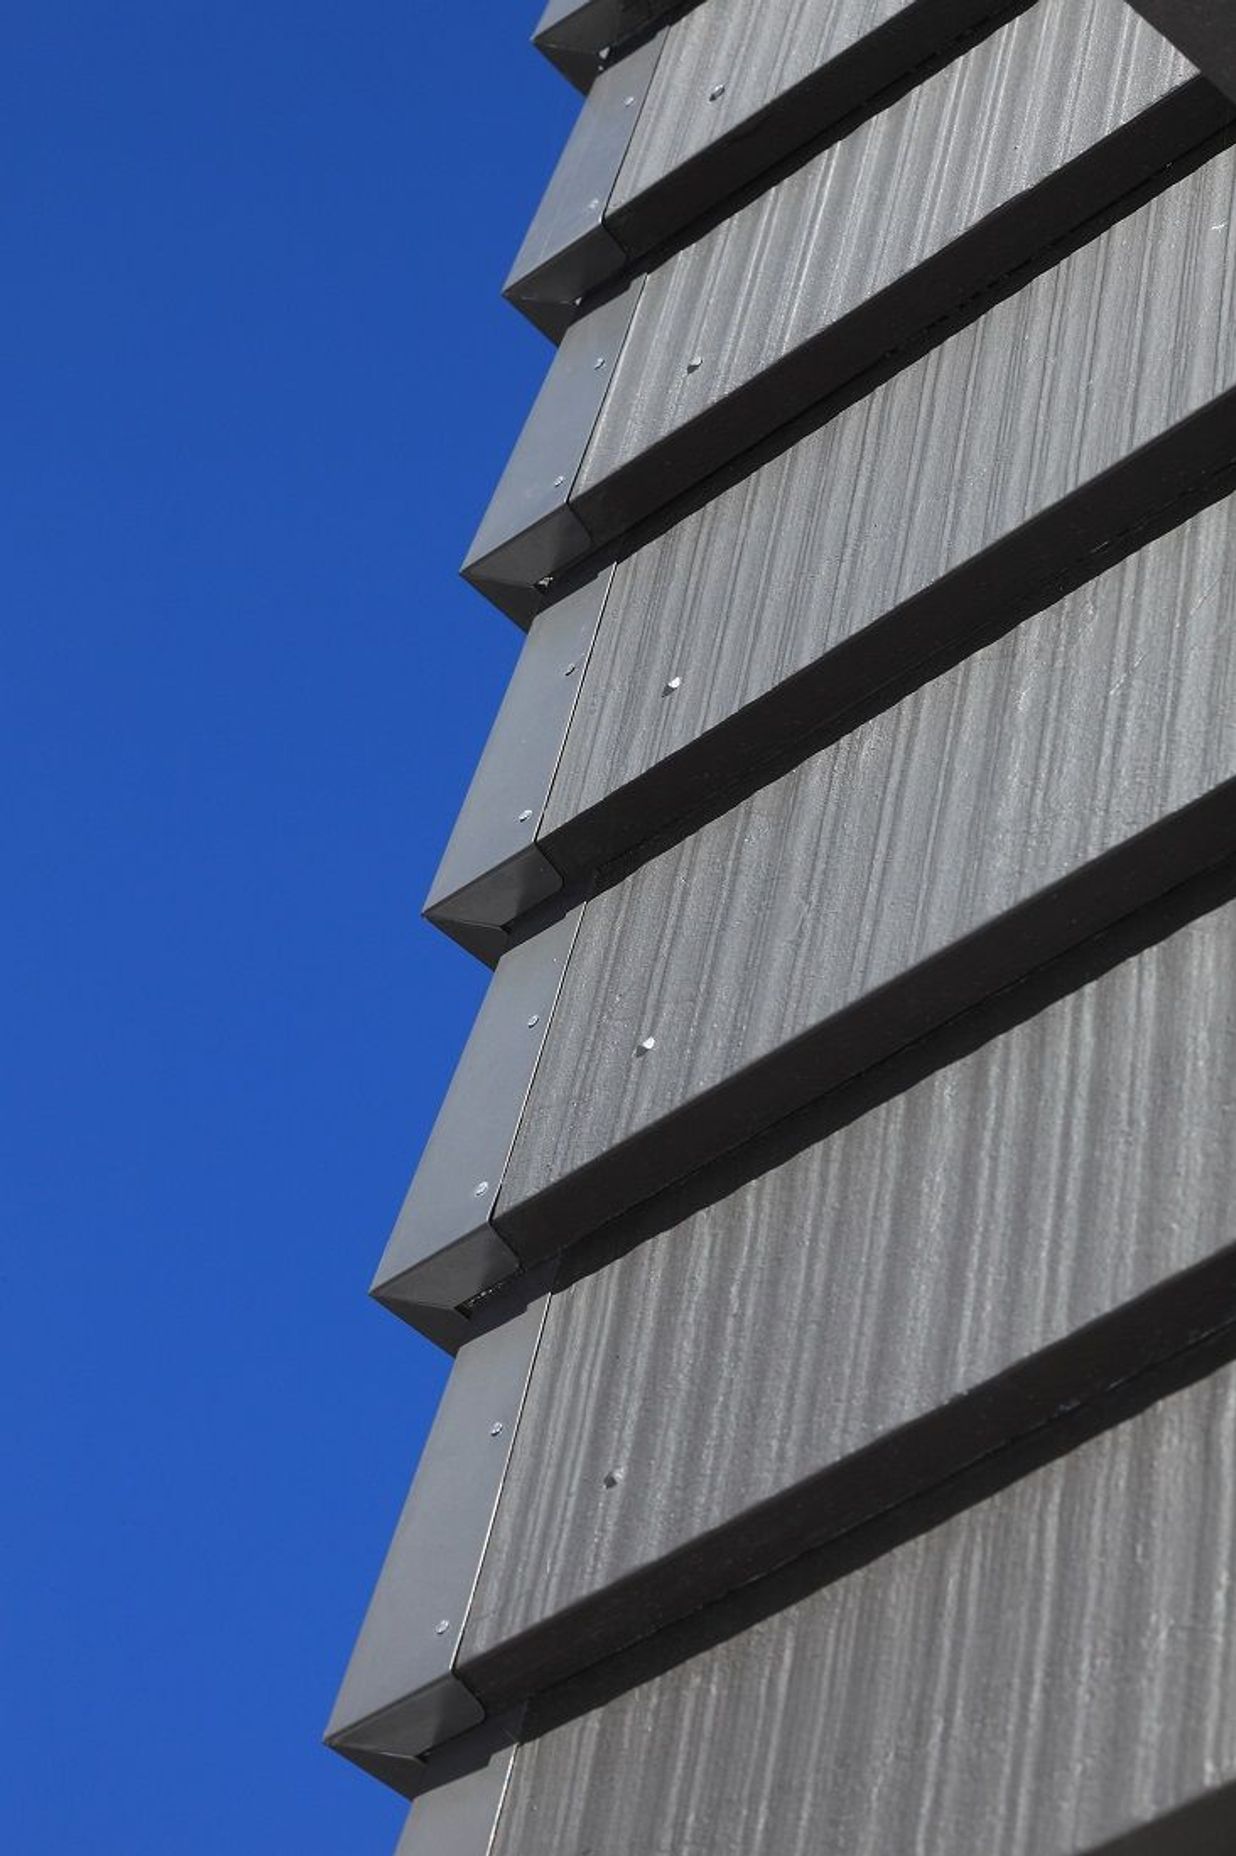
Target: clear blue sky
{"x": 258, "y": 384}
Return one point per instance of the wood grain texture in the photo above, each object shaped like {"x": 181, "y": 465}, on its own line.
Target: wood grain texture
{"x": 1040, "y": 92}
{"x": 727, "y": 67}
{"x": 1045, "y": 1673}
{"x": 1007, "y": 418}
{"x": 918, "y": 832}
{"x": 1079, "y": 1160}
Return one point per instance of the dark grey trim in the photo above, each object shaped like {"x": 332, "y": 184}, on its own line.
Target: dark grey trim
{"x": 444, "y": 1251}
{"x": 579, "y": 240}
{"x": 460, "y": 1817}
{"x": 494, "y": 871}
{"x": 580, "y": 36}
{"x": 529, "y": 522}
{"x": 538, "y": 525}
{"x": 569, "y": 253}
{"x": 1204, "y": 30}
{"x": 401, "y": 1696}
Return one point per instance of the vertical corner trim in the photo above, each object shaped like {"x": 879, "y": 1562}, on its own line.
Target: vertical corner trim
{"x": 444, "y": 1251}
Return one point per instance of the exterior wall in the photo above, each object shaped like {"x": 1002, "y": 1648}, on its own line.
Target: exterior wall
{"x": 832, "y": 1213}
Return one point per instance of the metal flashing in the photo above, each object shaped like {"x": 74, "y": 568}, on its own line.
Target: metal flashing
{"x": 401, "y": 1696}
{"x": 661, "y": 141}
{"x": 1204, "y": 30}
{"x": 580, "y": 36}
{"x": 1048, "y": 784}
{"x": 569, "y": 253}
{"x": 444, "y": 1250}
{"x": 983, "y": 1234}
{"x": 1006, "y": 463}
{"x": 786, "y": 305}
{"x": 494, "y": 871}
{"x": 530, "y": 528}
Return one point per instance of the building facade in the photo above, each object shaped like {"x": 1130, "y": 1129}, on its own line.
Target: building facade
{"x": 832, "y": 1214}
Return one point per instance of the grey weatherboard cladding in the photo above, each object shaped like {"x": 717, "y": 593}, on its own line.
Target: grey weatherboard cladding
{"x": 969, "y": 1284}
{"x": 1043, "y": 787}
{"x": 832, "y": 1211}
{"x": 974, "y": 490}
{"x": 706, "y": 107}
{"x": 886, "y": 1714}
{"x": 956, "y": 1242}
{"x": 1038, "y": 790}
{"x": 782, "y": 305}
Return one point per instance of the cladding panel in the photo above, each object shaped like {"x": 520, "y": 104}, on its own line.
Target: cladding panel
{"x": 736, "y": 92}
{"x": 858, "y": 261}
{"x": 994, "y": 1208}
{"x": 873, "y": 513}
{"x": 1046, "y": 1673}
{"x": 1038, "y": 94}
{"x": 728, "y": 68}
{"x": 946, "y": 845}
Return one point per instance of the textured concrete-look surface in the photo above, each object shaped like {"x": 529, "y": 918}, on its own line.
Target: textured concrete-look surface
{"x": 871, "y": 513}
{"x": 1036, "y": 95}
{"x": 1075, "y": 1162}
{"x": 746, "y": 953}
{"x": 1042, "y": 1675}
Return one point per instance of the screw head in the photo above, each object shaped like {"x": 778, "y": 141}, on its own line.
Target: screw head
{"x": 534, "y": 1021}
{"x": 570, "y": 670}
{"x": 612, "y": 1478}
{"x": 696, "y": 362}
{"x": 558, "y": 482}
{"x": 478, "y": 1192}
{"x": 675, "y": 683}
{"x": 599, "y": 362}
{"x": 525, "y": 815}
{"x": 441, "y": 1627}
{"x": 628, "y": 103}
{"x": 495, "y": 1430}
{"x": 644, "y": 1046}
{"x": 717, "y": 91}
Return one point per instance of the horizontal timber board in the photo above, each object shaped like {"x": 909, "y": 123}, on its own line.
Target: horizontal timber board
{"x": 978, "y": 484}
{"x": 868, "y": 254}
{"x": 707, "y": 107}
{"x": 1048, "y": 1673}
{"x": 974, "y": 1250}
{"x": 1048, "y": 784}
{"x": 400, "y": 1697}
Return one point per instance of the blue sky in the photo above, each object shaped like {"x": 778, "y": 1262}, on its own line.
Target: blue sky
{"x": 258, "y": 382}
